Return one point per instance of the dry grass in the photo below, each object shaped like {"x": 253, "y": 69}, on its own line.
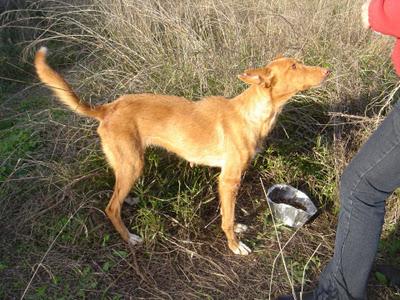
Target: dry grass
{"x": 54, "y": 184}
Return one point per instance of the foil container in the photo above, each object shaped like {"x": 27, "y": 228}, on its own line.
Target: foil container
{"x": 289, "y": 205}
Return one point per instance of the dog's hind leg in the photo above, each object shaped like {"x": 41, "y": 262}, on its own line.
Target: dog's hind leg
{"x": 126, "y": 158}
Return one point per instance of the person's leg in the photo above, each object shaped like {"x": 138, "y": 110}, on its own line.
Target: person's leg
{"x": 372, "y": 175}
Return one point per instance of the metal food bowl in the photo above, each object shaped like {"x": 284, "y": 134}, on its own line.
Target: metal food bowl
{"x": 289, "y": 205}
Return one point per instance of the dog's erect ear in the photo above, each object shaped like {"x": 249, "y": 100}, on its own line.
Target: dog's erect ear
{"x": 268, "y": 78}
{"x": 250, "y": 78}
{"x": 262, "y": 77}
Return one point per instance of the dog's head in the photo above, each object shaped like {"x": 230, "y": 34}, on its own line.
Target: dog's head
{"x": 285, "y": 76}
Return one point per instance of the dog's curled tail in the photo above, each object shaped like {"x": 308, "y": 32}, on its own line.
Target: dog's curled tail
{"x": 62, "y": 89}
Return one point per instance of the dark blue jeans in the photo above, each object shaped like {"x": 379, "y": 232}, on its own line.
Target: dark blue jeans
{"x": 372, "y": 175}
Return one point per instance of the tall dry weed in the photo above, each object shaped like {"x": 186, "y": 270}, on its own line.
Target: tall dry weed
{"x": 195, "y": 48}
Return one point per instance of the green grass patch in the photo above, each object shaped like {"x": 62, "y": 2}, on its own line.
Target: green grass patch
{"x": 390, "y": 248}
{"x": 310, "y": 170}
{"x": 33, "y": 103}
{"x": 16, "y": 143}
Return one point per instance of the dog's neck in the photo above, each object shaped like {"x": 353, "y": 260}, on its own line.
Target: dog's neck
{"x": 260, "y": 107}
{"x": 280, "y": 99}
{"x": 254, "y": 103}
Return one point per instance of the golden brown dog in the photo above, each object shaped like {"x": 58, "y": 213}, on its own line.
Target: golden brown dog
{"x": 215, "y": 131}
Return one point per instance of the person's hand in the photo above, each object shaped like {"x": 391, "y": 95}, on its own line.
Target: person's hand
{"x": 364, "y": 14}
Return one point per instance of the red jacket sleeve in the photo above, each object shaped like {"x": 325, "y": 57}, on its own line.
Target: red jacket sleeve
{"x": 396, "y": 57}
{"x": 384, "y": 16}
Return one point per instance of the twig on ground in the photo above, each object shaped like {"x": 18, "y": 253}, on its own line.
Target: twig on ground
{"x": 280, "y": 247}
{"x": 48, "y": 250}
{"x": 305, "y": 268}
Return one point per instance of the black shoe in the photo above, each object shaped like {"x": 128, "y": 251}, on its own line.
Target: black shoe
{"x": 305, "y": 296}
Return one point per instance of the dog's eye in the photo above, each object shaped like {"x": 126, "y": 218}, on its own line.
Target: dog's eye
{"x": 294, "y": 67}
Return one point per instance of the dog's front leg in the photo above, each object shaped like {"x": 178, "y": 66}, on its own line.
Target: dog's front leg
{"x": 228, "y": 185}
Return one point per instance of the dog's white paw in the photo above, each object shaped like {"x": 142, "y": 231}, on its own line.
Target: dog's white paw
{"x": 242, "y": 249}
{"x": 240, "y": 228}
{"x": 134, "y": 239}
{"x": 131, "y": 200}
